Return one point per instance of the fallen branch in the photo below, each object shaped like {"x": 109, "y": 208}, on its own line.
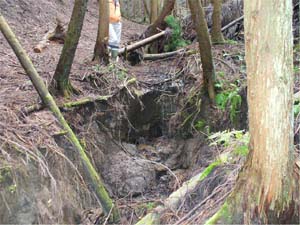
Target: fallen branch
{"x": 232, "y": 23}
{"x": 58, "y": 33}
{"x": 85, "y": 101}
{"x": 80, "y": 102}
{"x": 169, "y": 54}
{"x": 175, "y": 199}
{"x": 94, "y": 178}
{"x": 143, "y": 42}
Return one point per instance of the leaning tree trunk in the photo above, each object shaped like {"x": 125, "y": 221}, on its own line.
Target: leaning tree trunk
{"x": 159, "y": 23}
{"x": 266, "y": 189}
{"x": 198, "y": 17}
{"x": 94, "y": 178}
{"x": 101, "y": 51}
{"x": 60, "y": 81}
{"x": 216, "y": 33}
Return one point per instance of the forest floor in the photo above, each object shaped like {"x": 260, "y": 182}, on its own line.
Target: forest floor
{"x": 34, "y": 132}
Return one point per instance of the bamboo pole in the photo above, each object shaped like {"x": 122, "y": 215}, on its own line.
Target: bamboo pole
{"x": 48, "y": 100}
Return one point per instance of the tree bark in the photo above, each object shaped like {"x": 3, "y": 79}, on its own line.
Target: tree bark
{"x": 198, "y": 17}
{"x": 101, "y": 51}
{"x": 216, "y": 33}
{"x": 266, "y": 190}
{"x": 48, "y": 100}
{"x": 154, "y": 11}
{"x": 60, "y": 81}
{"x": 159, "y": 23}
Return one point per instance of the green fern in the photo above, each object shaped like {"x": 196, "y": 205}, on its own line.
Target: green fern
{"x": 229, "y": 97}
{"x": 237, "y": 140}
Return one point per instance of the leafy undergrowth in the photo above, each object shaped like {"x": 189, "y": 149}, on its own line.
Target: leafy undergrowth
{"x": 218, "y": 183}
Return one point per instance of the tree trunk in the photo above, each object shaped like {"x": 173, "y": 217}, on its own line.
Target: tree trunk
{"x": 48, "y": 100}
{"x": 198, "y": 17}
{"x": 216, "y": 33}
{"x": 266, "y": 190}
{"x": 154, "y": 11}
{"x": 101, "y": 51}
{"x": 60, "y": 81}
{"x": 159, "y": 23}
{"x": 146, "y": 10}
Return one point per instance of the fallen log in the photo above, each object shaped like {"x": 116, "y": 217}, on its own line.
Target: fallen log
{"x": 232, "y": 23}
{"x": 176, "y": 198}
{"x": 94, "y": 178}
{"x": 56, "y": 34}
{"x": 143, "y": 42}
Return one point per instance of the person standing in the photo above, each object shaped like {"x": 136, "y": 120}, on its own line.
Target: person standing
{"x": 115, "y": 28}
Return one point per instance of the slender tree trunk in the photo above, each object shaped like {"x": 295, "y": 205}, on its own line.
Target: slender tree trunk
{"x": 146, "y": 10}
{"x": 48, "y": 100}
{"x": 159, "y": 23}
{"x": 154, "y": 10}
{"x": 266, "y": 190}
{"x": 198, "y": 17}
{"x": 60, "y": 81}
{"x": 101, "y": 51}
{"x": 216, "y": 33}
